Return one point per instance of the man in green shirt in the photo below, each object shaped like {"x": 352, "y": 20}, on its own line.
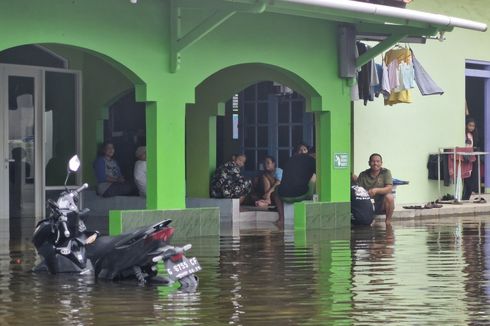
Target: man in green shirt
{"x": 379, "y": 184}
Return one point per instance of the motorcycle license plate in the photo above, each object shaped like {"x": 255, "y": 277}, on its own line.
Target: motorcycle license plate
{"x": 186, "y": 267}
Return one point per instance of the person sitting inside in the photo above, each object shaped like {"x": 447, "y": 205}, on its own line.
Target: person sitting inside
{"x": 110, "y": 181}
{"x": 361, "y": 209}
{"x": 227, "y": 181}
{"x": 270, "y": 179}
{"x": 379, "y": 184}
{"x": 140, "y": 170}
{"x": 298, "y": 181}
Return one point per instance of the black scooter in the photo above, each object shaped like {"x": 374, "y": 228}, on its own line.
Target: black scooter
{"x": 67, "y": 247}
{"x": 61, "y": 238}
{"x": 136, "y": 254}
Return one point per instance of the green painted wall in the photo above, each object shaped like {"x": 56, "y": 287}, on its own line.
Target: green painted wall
{"x": 135, "y": 40}
{"x": 406, "y": 133}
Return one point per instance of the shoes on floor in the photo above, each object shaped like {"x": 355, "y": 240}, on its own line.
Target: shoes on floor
{"x": 447, "y": 197}
{"x": 432, "y": 205}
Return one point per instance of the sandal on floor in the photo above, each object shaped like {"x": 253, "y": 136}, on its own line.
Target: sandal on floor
{"x": 414, "y": 207}
{"x": 480, "y": 200}
{"x": 433, "y": 205}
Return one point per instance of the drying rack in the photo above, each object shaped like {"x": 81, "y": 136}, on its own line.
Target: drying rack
{"x": 454, "y": 151}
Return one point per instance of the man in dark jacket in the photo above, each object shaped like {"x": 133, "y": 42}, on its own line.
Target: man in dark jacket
{"x": 298, "y": 180}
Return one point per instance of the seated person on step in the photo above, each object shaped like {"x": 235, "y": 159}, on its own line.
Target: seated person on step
{"x": 140, "y": 170}
{"x": 227, "y": 181}
{"x": 298, "y": 181}
{"x": 269, "y": 180}
{"x": 110, "y": 181}
{"x": 379, "y": 184}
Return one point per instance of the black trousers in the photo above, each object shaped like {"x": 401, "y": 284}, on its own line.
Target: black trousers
{"x": 471, "y": 183}
{"x": 119, "y": 189}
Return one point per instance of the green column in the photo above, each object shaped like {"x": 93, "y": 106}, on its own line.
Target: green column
{"x": 333, "y": 136}
{"x": 324, "y": 155}
{"x": 165, "y": 120}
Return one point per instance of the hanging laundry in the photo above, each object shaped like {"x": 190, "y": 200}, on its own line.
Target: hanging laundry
{"x": 425, "y": 83}
{"x": 465, "y": 163}
{"x": 367, "y": 78}
{"x": 393, "y": 58}
{"x": 385, "y": 82}
{"x": 354, "y": 90}
{"x": 363, "y": 80}
{"x": 374, "y": 80}
{"x": 407, "y": 76}
{"x": 378, "y": 88}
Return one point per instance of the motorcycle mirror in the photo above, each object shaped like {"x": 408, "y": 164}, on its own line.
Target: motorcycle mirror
{"x": 74, "y": 164}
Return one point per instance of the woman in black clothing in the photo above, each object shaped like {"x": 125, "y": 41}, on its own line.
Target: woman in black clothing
{"x": 471, "y": 183}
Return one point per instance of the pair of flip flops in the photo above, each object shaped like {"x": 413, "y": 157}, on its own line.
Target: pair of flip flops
{"x": 426, "y": 206}
{"x": 479, "y": 200}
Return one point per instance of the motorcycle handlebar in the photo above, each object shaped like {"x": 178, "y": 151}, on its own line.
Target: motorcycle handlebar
{"x": 82, "y": 187}
{"x": 65, "y": 229}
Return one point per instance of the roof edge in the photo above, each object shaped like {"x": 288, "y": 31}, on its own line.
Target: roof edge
{"x": 383, "y": 12}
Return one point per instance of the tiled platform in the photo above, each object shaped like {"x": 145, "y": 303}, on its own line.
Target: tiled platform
{"x": 193, "y": 222}
{"x": 465, "y": 208}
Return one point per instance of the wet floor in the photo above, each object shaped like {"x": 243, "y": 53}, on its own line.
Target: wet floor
{"x": 431, "y": 272}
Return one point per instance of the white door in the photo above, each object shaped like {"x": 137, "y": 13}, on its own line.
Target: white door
{"x": 20, "y": 145}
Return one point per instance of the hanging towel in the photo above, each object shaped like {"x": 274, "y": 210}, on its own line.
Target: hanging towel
{"x": 426, "y": 85}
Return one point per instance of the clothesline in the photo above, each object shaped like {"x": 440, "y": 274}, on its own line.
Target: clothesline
{"x": 394, "y": 78}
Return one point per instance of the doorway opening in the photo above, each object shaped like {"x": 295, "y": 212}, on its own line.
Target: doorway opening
{"x": 126, "y": 128}
{"x": 266, "y": 118}
{"x": 478, "y": 107}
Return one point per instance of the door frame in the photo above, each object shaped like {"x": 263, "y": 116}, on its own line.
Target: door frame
{"x": 78, "y": 131}
{"x": 39, "y": 75}
{"x": 7, "y": 70}
{"x": 483, "y": 72}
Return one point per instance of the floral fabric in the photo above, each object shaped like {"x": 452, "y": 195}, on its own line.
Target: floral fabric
{"x": 228, "y": 183}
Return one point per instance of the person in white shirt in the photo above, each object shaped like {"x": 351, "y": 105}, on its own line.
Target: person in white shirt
{"x": 140, "y": 170}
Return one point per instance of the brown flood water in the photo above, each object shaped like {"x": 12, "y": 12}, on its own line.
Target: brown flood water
{"x": 427, "y": 273}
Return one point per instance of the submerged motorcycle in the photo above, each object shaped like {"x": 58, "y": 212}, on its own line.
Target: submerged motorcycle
{"x": 66, "y": 246}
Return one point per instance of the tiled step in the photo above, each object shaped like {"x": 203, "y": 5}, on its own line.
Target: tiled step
{"x": 258, "y": 216}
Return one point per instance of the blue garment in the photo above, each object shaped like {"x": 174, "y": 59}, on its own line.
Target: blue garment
{"x": 103, "y": 168}
{"x": 377, "y": 88}
{"x": 278, "y": 174}
{"x": 99, "y": 168}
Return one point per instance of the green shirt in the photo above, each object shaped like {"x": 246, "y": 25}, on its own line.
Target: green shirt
{"x": 367, "y": 181}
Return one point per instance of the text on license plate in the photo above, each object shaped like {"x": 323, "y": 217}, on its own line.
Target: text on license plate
{"x": 186, "y": 267}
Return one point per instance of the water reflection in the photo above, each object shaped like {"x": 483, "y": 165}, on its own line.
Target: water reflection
{"x": 429, "y": 272}
{"x": 432, "y": 273}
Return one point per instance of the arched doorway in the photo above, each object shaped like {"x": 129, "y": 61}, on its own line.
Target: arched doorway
{"x": 44, "y": 103}
{"x": 211, "y": 97}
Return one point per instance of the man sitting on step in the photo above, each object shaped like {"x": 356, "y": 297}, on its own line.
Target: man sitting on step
{"x": 379, "y": 184}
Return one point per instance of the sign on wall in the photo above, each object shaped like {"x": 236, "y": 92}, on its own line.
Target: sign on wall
{"x": 340, "y": 160}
